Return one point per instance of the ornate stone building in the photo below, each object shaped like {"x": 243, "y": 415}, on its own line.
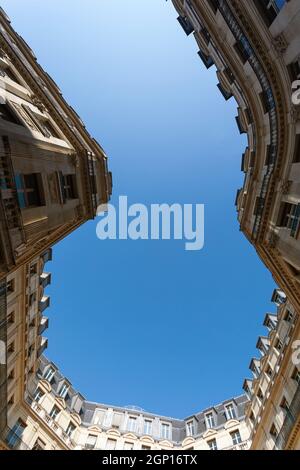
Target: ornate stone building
{"x": 55, "y": 416}
{"x": 273, "y": 411}
{"x": 255, "y": 47}
{"x": 53, "y": 173}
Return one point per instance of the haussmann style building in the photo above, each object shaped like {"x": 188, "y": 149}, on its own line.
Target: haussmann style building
{"x": 53, "y": 177}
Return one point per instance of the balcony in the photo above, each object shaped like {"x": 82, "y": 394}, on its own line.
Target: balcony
{"x": 47, "y": 256}
{"x": 242, "y": 446}
{"x": 43, "y": 346}
{"x": 186, "y": 25}
{"x": 44, "y": 303}
{"x": 206, "y": 59}
{"x": 43, "y": 325}
{"x": 45, "y": 279}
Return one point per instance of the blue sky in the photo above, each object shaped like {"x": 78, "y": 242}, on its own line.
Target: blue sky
{"x": 146, "y": 322}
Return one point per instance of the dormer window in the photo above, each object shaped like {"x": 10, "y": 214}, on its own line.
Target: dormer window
{"x": 190, "y": 428}
{"x": 230, "y": 411}
{"x": 49, "y": 374}
{"x": 64, "y": 390}
{"x": 209, "y": 420}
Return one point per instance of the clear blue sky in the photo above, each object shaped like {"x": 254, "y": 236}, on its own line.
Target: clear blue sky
{"x": 146, "y": 322}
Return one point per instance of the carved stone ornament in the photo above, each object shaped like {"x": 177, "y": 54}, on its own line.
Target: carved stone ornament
{"x": 286, "y": 186}
{"x": 280, "y": 43}
{"x": 38, "y": 103}
{"x": 273, "y": 240}
{"x": 74, "y": 159}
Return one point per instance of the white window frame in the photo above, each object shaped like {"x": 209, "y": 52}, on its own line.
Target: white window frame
{"x": 230, "y": 411}
{"x": 210, "y": 420}
{"x": 165, "y": 430}
{"x": 131, "y": 423}
{"x": 49, "y": 374}
{"x": 190, "y": 428}
{"x": 63, "y": 390}
{"x": 148, "y": 425}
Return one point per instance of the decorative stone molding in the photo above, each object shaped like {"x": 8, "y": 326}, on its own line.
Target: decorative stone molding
{"x": 273, "y": 240}
{"x": 280, "y": 43}
{"x": 38, "y": 103}
{"x": 286, "y": 186}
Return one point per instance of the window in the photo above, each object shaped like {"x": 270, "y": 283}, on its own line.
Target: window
{"x": 209, "y": 420}
{"x": 267, "y": 100}
{"x": 260, "y": 394}
{"x": 214, "y": 5}
{"x": 284, "y": 404}
{"x": 252, "y": 417}
{"x": 190, "y": 428}
{"x": 32, "y": 299}
{"x": 128, "y": 445}
{"x": 296, "y": 375}
{"x": 236, "y": 437}
{"x": 68, "y": 186}
{"x": 11, "y": 348}
{"x": 38, "y": 395}
{"x": 290, "y": 217}
{"x": 229, "y": 75}
{"x": 268, "y": 9}
{"x": 64, "y": 390}
{"x": 11, "y": 318}
{"x": 273, "y": 431}
{"x": 212, "y": 444}
{"x": 11, "y": 375}
{"x": 16, "y": 434}
{"x": 294, "y": 70}
{"x": 48, "y": 126}
{"x": 33, "y": 269}
{"x": 91, "y": 441}
{"x": 241, "y": 51}
{"x": 11, "y": 74}
{"x": 259, "y": 206}
{"x": 147, "y": 426}
{"x": 289, "y": 317}
{"x": 39, "y": 445}
{"x": 111, "y": 444}
{"x": 165, "y": 430}
{"x": 29, "y": 190}
{"x": 49, "y": 374}
{"x": 11, "y": 401}
{"x": 10, "y": 287}
{"x": 70, "y": 429}
{"x": 279, "y": 345}
{"x": 269, "y": 371}
{"x": 131, "y": 425}
{"x": 230, "y": 413}
{"x": 8, "y": 114}
{"x": 270, "y": 155}
{"x": 146, "y": 447}
{"x": 54, "y": 412}
{"x": 296, "y": 157}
